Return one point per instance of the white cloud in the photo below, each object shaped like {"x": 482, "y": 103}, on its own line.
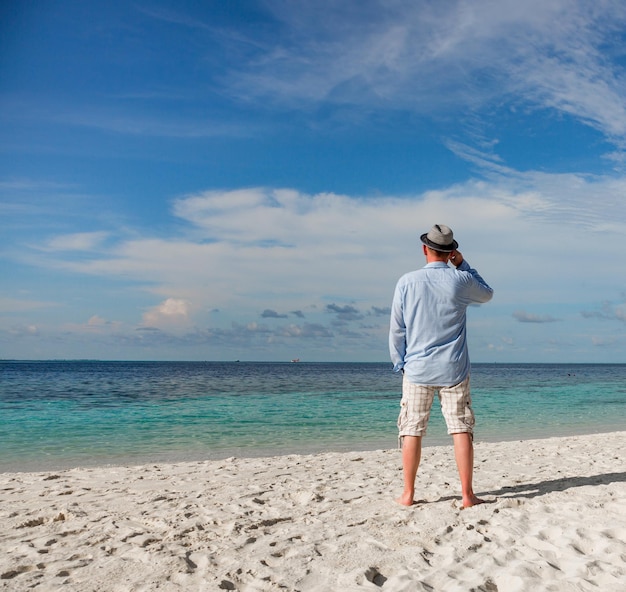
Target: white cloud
{"x": 96, "y": 321}
{"x": 171, "y": 313}
{"x": 262, "y": 253}
{"x": 278, "y": 249}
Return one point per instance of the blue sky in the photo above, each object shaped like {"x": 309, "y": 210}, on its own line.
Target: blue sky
{"x": 248, "y": 180}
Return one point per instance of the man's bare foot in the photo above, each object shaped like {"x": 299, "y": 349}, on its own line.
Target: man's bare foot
{"x": 406, "y": 500}
{"x": 472, "y": 500}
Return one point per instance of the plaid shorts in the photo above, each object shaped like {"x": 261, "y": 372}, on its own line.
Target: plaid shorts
{"x": 417, "y": 400}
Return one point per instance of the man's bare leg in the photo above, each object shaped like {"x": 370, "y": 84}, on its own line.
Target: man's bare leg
{"x": 411, "y": 454}
{"x": 464, "y": 454}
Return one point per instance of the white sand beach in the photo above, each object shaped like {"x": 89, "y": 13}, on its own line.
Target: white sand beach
{"x": 325, "y": 522}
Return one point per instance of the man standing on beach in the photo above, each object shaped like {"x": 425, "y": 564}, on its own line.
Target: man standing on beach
{"x": 427, "y": 342}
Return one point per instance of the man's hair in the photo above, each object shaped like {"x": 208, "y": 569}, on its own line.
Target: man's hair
{"x": 438, "y": 254}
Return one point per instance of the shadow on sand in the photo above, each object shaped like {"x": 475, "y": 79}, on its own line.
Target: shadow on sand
{"x": 530, "y": 490}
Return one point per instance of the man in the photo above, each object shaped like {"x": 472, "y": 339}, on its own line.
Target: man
{"x": 427, "y": 342}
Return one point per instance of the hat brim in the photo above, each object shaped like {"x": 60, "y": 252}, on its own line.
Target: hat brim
{"x": 435, "y": 247}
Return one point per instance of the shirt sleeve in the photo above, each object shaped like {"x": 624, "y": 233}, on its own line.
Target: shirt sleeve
{"x": 397, "y": 331}
{"x": 479, "y": 291}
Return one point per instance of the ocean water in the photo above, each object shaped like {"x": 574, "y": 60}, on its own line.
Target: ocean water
{"x": 89, "y": 413}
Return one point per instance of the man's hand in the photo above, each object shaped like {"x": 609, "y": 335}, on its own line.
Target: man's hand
{"x": 456, "y": 258}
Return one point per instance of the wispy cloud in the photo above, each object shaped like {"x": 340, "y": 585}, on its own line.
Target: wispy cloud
{"x": 449, "y": 58}
{"x": 528, "y": 317}
{"x": 604, "y": 342}
{"x": 139, "y": 114}
{"x": 13, "y": 305}
{"x": 427, "y": 57}
{"x": 23, "y": 331}
{"x": 239, "y": 339}
{"x": 268, "y": 313}
{"x": 123, "y": 121}
{"x": 608, "y": 311}
{"x": 175, "y": 17}
{"x": 79, "y": 241}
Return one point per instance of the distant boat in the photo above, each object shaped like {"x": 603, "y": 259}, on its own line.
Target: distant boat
{"x": 296, "y": 360}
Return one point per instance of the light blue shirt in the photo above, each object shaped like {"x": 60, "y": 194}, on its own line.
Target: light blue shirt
{"x": 427, "y": 334}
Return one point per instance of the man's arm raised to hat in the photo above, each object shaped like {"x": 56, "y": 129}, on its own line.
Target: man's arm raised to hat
{"x": 482, "y": 292}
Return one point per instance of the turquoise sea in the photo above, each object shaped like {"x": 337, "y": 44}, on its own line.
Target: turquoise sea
{"x": 83, "y": 413}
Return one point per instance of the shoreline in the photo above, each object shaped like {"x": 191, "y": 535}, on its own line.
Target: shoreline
{"x": 325, "y": 521}
{"x": 61, "y": 463}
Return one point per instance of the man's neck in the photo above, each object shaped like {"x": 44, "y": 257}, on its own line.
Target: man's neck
{"x": 431, "y": 259}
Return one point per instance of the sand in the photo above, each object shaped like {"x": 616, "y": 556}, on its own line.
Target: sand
{"x": 556, "y": 521}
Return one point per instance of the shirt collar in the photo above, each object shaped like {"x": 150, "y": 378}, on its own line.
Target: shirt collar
{"x": 437, "y": 264}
